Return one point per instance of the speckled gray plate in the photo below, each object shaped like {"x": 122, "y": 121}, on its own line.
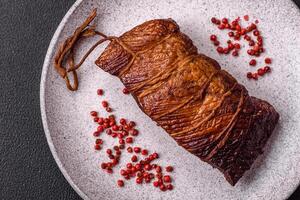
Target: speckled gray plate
{"x": 68, "y": 126}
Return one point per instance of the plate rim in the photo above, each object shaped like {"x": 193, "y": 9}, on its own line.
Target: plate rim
{"x": 44, "y": 73}
{"x": 46, "y": 63}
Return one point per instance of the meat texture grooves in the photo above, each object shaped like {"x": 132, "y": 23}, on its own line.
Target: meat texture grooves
{"x": 200, "y": 105}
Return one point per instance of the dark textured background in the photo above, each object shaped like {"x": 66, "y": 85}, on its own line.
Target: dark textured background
{"x": 27, "y": 168}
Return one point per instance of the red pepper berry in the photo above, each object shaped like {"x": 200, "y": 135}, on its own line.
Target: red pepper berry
{"x": 115, "y": 161}
{"x": 100, "y": 92}
{"x": 100, "y": 121}
{"x": 252, "y": 62}
{"x": 167, "y": 179}
{"x": 131, "y": 124}
{"x": 159, "y": 175}
{"x": 129, "y": 165}
{"x": 103, "y": 165}
{"x": 122, "y": 146}
{"x": 226, "y": 51}
{"x": 259, "y": 38}
{"x": 114, "y": 134}
{"x": 243, "y": 31}
{"x": 234, "y": 23}
{"x": 97, "y": 147}
{"x": 108, "y": 109}
{"x": 251, "y": 43}
{"x": 108, "y": 131}
{"x": 225, "y": 21}
{"x": 111, "y": 117}
{"x": 250, "y": 52}
{"x": 139, "y": 174}
{"x": 138, "y": 166}
{"x": 235, "y": 53}
{"x": 247, "y": 37}
{"x": 267, "y": 69}
{"x": 134, "y": 169}
{"x": 134, "y": 158}
{"x": 256, "y": 48}
{"x": 139, "y": 180}
{"x": 213, "y": 20}
{"x": 125, "y": 133}
{"x": 121, "y": 141}
{"x": 120, "y": 183}
{"x": 249, "y": 75}
{"x": 238, "y": 27}
{"x": 237, "y": 36}
{"x": 246, "y": 17}
{"x": 154, "y": 166}
{"x": 109, "y": 151}
{"x": 134, "y": 132}
{"x": 268, "y": 61}
{"x": 127, "y": 127}
{"x": 230, "y": 46}
{"x": 230, "y": 34}
{"x": 148, "y": 167}
{"x": 109, "y": 165}
{"x": 253, "y": 26}
{"x": 162, "y": 188}
{"x": 123, "y": 172}
{"x": 147, "y": 180}
{"x": 145, "y": 174}
{"x": 122, "y": 121}
{"x": 261, "y": 50}
{"x": 93, "y": 113}
{"x": 115, "y": 128}
{"x": 155, "y": 183}
{"x": 169, "y": 169}
{"x": 116, "y": 148}
{"x": 144, "y": 152}
{"x": 100, "y": 128}
{"x": 256, "y": 33}
{"x": 213, "y": 37}
{"x": 125, "y": 91}
{"x": 260, "y": 71}
{"x": 255, "y": 76}
{"x": 96, "y": 133}
{"x": 129, "y": 149}
{"x": 129, "y": 140}
{"x": 237, "y": 46}
{"x": 137, "y": 149}
{"x": 109, "y": 170}
{"x": 96, "y": 119}
{"x": 99, "y": 141}
{"x": 221, "y": 26}
{"x": 120, "y": 135}
{"x": 169, "y": 187}
{"x": 155, "y": 155}
{"x": 260, "y": 43}
{"x": 158, "y": 169}
{"x": 220, "y": 50}
{"x": 216, "y": 43}
{"x": 104, "y": 104}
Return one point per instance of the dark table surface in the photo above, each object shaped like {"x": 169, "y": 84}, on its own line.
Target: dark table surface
{"x": 27, "y": 168}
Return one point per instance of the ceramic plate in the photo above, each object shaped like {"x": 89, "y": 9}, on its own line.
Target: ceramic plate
{"x": 69, "y": 128}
